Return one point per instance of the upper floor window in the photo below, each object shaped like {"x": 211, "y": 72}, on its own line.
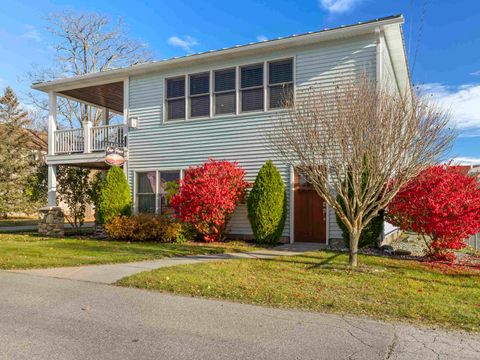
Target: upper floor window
{"x": 225, "y": 92}
{"x": 240, "y": 89}
{"x": 199, "y": 95}
{"x": 176, "y": 98}
{"x": 252, "y": 87}
{"x": 280, "y": 83}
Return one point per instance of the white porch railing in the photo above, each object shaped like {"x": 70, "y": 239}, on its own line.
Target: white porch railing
{"x": 108, "y": 135}
{"x": 69, "y": 141}
{"x": 89, "y": 139}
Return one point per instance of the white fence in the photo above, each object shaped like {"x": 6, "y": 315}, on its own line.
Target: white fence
{"x": 96, "y": 138}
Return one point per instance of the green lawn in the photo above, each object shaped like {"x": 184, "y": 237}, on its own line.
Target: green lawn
{"x": 20, "y": 251}
{"x": 18, "y": 221}
{"x": 380, "y": 288}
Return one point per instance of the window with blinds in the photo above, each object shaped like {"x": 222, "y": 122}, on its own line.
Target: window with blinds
{"x": 256, "y": 87}
{"x": 176, "y": 98}
{"x": 251, "y": 87}
{"x": 199, "y": 95}
{"x": 225, "y": 91}
{"x": 280, "y": 83}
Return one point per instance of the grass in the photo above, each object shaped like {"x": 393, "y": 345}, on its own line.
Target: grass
{"x": 18, "y": 221}
{"x": 381, "y": 288}
{"x": 21, "y": 251}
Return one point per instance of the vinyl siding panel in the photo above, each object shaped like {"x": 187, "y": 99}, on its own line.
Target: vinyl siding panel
{"x": 159, "y": 144}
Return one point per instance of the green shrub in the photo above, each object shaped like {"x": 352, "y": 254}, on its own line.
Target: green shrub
{"x": 267, "y": 205}
{"x": 114, "y": 199}
{"x": 144, "y": 227}
{"x": 371, "y": 233}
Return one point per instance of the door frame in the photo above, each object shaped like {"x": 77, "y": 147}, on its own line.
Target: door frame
{"x": 292, "y": 211}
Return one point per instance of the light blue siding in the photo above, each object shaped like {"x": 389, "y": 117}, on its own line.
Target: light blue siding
{"x": 179, "y": 144}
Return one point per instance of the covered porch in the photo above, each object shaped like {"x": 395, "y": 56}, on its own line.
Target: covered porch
{"x": 86, "y": 145}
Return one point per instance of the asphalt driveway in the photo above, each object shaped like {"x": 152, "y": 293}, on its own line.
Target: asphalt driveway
{"x": 48, "y": 318}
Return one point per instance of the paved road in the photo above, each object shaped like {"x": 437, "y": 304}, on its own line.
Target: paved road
{"x": 47, "y": 318}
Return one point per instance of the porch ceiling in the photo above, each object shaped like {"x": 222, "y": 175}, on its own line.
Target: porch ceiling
{"x": 105, "y": 95}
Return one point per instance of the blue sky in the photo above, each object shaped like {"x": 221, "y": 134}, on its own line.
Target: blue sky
{"x": 444, "y": 51}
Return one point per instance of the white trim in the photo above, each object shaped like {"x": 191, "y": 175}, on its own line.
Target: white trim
{"x": 266, "y": 79}
{"x": 126, "y": 99}
{"x": 379, "y": 57}
{"x": 52, "y": 121}
{"x": 52, "y": 185}
{"x": 157, "y": 185}
{"x": 211, "y": 85}
{"x": 327, "y": 225}
{"x": 245, "y": 50}
{"x": 238, "y": 90}
{"x": 292, "y": 204}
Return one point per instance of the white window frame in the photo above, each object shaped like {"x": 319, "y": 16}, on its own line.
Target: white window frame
{"x": 157, "y": 186}
{"x": 269, "y": 86}
{"x": 215, "y": 93}
{"x": 241, "y": 89}
{"x": 238, "y": 90}
{"x": 190, "y": 96}
{"x": 136, "y": 193}
{"x": 167, "y": 99}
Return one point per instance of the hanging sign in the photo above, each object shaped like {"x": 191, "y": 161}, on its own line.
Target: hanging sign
{"x": 115, "y": 156}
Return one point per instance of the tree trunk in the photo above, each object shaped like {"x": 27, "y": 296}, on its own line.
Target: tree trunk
{"x": 354, "y": 238}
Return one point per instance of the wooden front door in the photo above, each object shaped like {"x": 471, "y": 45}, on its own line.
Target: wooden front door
{"x": 309, "y": 212}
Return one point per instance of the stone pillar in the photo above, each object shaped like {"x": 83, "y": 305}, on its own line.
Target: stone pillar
{"x": 51, "y": 220}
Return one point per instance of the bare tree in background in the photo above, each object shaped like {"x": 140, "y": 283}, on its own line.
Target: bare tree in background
{"x": 358, "y": 144}
{"x": 85, "y": 43}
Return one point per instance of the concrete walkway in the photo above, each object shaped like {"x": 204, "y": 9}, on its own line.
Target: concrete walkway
{"x": 44, "y": 318}
{"x": 109, "y": 274}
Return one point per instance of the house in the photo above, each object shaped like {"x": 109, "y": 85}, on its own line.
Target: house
{"x": 181, "y": 111}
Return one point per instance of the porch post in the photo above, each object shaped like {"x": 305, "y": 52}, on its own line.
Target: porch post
{"x": 52, "y": 185}
{"x": 52, "y": 121}
{"x": 87, "y": 136}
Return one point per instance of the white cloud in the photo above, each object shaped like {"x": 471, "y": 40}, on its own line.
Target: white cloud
{"x": 339, "y": 6}
{"x": 475, "y": 73}
{"x": 262, "y": 38}
{"x": 30, "y": 32}
{"x": 186, "y": 43}
{"x": 466, "y": 160}
{"x": 462, "y": 101}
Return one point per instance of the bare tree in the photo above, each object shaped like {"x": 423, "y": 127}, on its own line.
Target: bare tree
{"x": 359, "y": 144}
{"x": 85, "y": 43}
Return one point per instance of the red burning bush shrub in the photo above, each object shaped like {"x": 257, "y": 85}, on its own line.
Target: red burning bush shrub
{"x": 441, "y": 203}
{"x": 208, "y": 196}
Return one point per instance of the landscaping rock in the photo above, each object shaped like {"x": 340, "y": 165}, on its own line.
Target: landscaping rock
{"x": 387, "y": 250}
{"x": 401, "y": 252}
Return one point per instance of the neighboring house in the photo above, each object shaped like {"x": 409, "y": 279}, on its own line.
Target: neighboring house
{"x": 38, "y": 144}
{"x": 218, "y": 104}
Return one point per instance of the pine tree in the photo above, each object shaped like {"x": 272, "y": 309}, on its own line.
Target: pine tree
{"x": 115, "y": 198}
{"x": 16, "y": 162}
{"x": 267, "y": 205}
